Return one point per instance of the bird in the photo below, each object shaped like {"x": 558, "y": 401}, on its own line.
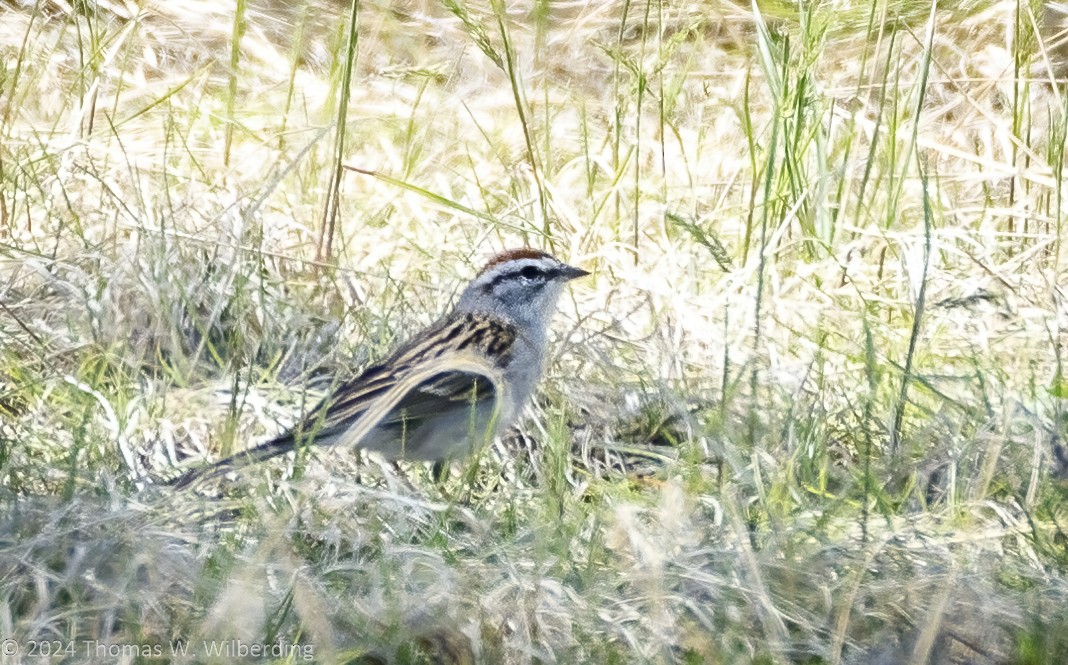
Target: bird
{"x": 448, "y": 390}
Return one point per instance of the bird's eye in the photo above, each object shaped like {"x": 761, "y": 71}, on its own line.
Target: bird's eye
{"x": 530, "y": 272}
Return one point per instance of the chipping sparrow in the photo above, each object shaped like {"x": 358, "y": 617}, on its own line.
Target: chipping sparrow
{"x": 451, "y": 388}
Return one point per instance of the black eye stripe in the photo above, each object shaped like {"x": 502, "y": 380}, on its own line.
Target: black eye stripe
{"x": 527, "y": 272}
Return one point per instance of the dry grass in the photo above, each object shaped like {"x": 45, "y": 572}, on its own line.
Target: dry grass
{"x": 808, "y": 408}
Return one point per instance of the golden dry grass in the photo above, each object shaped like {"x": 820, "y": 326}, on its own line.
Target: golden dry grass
{"x": 807, "y": 409}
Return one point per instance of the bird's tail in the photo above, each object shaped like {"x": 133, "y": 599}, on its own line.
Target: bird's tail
{"x": 277, "y": 446}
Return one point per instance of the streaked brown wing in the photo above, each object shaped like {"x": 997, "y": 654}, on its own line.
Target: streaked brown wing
{"x": 443, "y": 391}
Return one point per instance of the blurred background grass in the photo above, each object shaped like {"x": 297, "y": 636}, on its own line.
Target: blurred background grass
{"x": 809, "y": 407}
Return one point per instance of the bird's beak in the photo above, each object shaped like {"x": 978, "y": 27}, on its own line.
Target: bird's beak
{"x": 570, "y": 272}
